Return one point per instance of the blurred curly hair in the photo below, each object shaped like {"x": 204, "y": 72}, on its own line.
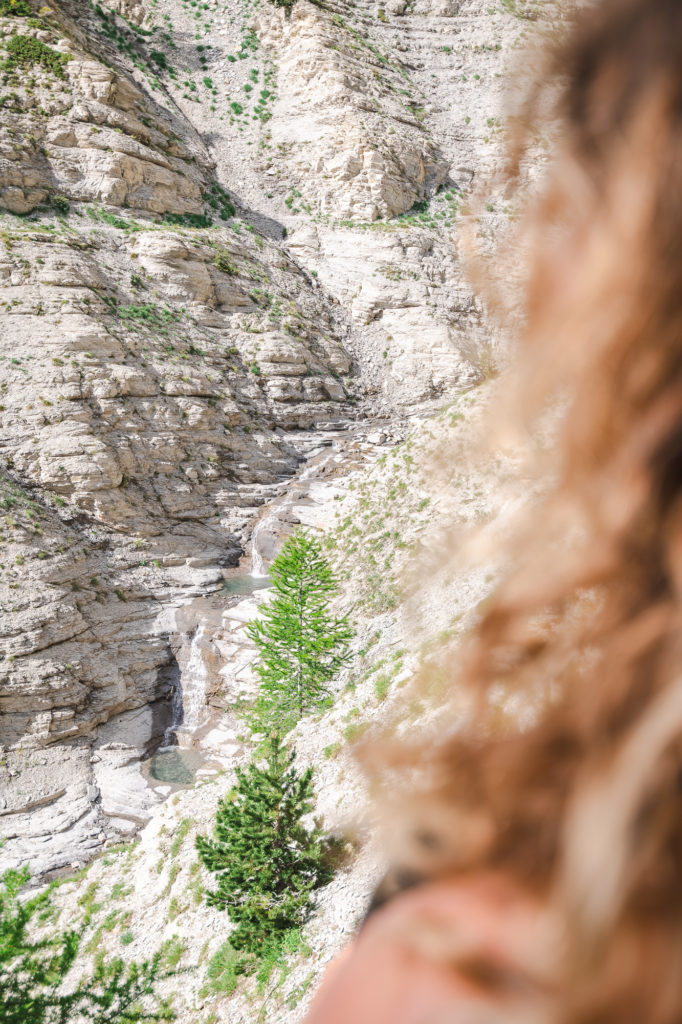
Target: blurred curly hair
{"x": 584, "y": 807}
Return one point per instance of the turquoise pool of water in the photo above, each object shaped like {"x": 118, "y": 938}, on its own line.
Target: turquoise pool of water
{"x": 242, "y": 586}
{"x": 176, "y": 765}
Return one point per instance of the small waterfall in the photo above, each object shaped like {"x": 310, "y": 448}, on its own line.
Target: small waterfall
{"x": 194, "y": 690}
{"x": 258, "y": 567}
{"x": 188, "y": 709}
{"x": 268, "y": 522}
{"x": 176, "y": 712}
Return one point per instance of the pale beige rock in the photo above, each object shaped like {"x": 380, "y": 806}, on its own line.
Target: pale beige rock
{"x": 97, "y": 151}
{"x": 172, "y": 265}
{"x": 335, "y": 116}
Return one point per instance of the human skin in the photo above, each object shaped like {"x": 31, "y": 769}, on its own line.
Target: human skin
{"x": 459, "y": 952}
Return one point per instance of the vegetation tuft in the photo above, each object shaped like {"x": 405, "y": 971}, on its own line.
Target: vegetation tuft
{"x": 25, "y": 52}
{"x": 188, "y": 220}
{"x": 15, "y": 8}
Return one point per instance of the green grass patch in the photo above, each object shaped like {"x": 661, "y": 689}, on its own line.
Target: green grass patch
{"x": 381, "y": 685}
{"x": 15, "y": 8}
{"x": 25, "y": 52}
{"x": 188, "y": 220}
{"x": 354, "y": 731}
{"x": 180, "y": 835}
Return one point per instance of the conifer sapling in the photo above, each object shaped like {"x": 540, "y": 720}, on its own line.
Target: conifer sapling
{"x": 302, "y": 646}
{"x": 266, "y": 862}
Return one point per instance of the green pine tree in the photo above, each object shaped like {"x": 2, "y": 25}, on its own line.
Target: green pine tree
{"x": 33, "y": 970}
{"x": 301, "y": 645}
{"x": 266, "y": 863}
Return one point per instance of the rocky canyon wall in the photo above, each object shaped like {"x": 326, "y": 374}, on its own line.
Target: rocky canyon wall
{"x": 226, "y": 231}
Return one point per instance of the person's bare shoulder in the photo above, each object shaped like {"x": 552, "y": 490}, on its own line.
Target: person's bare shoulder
{"x": 462, "y": 951}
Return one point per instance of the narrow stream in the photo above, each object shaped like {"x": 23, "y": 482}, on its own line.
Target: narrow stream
{"x": 181, "y": 757}
{"x": 267, "y": 525}
{"x": 183, "y": 754}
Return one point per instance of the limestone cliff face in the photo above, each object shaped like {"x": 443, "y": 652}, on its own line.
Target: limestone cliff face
{"x": 224, "y": 228}
{"x": 350, "y": 132}
{"x": 89, "y": 133}
{"x": 147, "y": 391}
{"x": 149, "y": 375}
{"x": 384, "y": 120}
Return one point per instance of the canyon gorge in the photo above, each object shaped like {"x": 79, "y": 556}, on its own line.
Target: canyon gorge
{"x": 233, "y": 304}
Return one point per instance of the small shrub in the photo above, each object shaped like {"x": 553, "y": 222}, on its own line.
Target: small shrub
{"x": 111, "y": 219}
{"x": 61, "y": 204}
{"x": 224, "y": 263}
{"x": 15, "y": 8}
{"x": 25, "y": 51}
{"x": 190, "y": 220}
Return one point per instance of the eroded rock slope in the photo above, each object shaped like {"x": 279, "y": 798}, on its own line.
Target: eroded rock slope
{"x": 226, "y": 230}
